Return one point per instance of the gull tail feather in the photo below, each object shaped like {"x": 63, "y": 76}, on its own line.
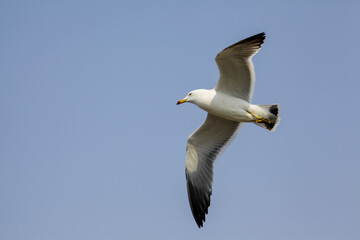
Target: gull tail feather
{"x": 272, "y": 120}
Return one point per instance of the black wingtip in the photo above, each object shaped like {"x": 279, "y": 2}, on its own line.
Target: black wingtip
{"x": 260, "y": 37}
{"x": 199, "y": 203}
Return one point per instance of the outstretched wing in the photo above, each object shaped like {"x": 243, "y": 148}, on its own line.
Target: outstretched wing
{"x": 203, "y": 147}
{"x": 237, "y": 75}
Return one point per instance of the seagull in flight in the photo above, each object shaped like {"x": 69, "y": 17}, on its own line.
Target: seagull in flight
{"x": 228, "y": 105}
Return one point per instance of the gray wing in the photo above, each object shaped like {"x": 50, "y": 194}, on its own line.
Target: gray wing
{"x": 237, "y": 75}
{"x": 203, "y": 147}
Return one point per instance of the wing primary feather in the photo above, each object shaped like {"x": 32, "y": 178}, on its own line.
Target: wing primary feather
{"x": 199, "y": 202}
{"x": 203, "y": 148}
{"x": 258, "y": 39}
{"x": 237, "y": 75}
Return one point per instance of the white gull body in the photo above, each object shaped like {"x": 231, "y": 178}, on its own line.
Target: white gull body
{"x": 228, "y": 105}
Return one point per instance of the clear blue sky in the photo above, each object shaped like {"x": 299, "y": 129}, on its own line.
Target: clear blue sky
{"x": 92, "y": 145}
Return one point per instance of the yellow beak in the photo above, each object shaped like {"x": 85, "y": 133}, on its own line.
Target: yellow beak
{"x": 181, "y": 101}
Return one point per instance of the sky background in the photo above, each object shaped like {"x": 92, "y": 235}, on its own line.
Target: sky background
{"x": 92, "y": 145}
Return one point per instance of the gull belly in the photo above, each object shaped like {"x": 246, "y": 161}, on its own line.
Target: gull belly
{"x": 228, "y": 107}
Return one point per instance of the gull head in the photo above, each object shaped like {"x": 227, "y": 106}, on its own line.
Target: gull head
{"x": 193, "y": 96}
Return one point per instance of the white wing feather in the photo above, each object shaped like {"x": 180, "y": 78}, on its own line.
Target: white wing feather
{"x": 237, "y": 75}
{"x": 203, "y": 148}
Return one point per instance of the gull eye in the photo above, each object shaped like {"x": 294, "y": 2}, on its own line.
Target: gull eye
{"x": 190, "y": 94}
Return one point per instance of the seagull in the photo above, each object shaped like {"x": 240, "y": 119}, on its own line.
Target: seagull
{"x": 228, "y": 106}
